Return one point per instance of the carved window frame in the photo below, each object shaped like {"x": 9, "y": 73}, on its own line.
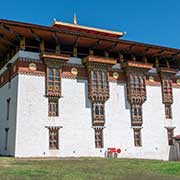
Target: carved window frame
{"x": 53, "y": 79}
{"x": 168, "y": 111}
{"x": 137, "y": 137}
{"x": 98, "y": 112}
{"x": 167, "y": 91}
{"x": 136, "y": 113}
{"x": 170, "y": 134}
{"x": 53, "y": 106}
{"x": 99, "y": 138}
{"x": 137, "y": 84}
{"x": 99, "y": 80}
{"x": 53, "y": 138}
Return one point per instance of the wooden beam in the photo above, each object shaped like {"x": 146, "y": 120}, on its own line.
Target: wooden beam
{"x": 76, "y": 41}
{"x": 23, "y": 43}
{"x": 106, "y": 54}
{"x": 58, "y": 46}
{"x": 145, "y": 59}
{"x": 175, "y": 54}
{"x": 156, "y": 62}
{"x": 133, "y": 57}
{"x": 75, "y": 51}
{"x": 112, "y": 47}
{"x": 9, "y": 30}
{"x": 167, "y": 64}
{"x": 161, "y": 51}
{"x": 121, "y": 57}
{"x": 58, "y": 49}
{"x": 91, "y": 52}
{"x": 96, "y": 44}
{"x": 130, "y": 48}
{"x": 4, "y": 46}
{"x": 34, "y": 35}
{"x": 42, "y": 46}
{"x": 146, "y": 50}
{"x": 4, "y": 38}
{"x": 54, "y": 36}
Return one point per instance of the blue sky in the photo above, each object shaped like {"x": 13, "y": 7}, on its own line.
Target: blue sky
{"x": 148, "y": 21}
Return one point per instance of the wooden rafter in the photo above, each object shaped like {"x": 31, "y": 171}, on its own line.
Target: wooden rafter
{"x": 34, "y": 35}
{"x": 146, "y": 50}
{"x": 9, "y": 30}
{"x": 175, "y": 54}
{"x": 160, "y": 52}
{"x": 3, "y": 46}
{"x": 4, "y": 38}
{"x": 112, "y": 47}
{"x": 76, "y": 41}
{"x": 54, "y": 36}
{"x": 96, "y": 44}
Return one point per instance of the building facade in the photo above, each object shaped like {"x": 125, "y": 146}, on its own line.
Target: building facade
{"x": 70, "y": 91}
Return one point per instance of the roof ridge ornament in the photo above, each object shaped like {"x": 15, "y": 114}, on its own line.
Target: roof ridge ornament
{"x": 54, "y": 20}
{"x": 75, "y": 19}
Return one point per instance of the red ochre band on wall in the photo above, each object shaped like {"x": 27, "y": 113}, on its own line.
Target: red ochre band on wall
{"x": 22, "y": 66}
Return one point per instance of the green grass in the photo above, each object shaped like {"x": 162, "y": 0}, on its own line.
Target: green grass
{"x": 88, "y": 168}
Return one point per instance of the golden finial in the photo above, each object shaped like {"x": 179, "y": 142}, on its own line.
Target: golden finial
{"x": 75, "y": 19}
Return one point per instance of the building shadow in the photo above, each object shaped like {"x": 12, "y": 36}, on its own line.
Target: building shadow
{"x": 87, "y": 101}
{"x": 127, "y": 105}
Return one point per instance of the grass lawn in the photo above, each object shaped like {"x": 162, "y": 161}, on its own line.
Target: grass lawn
{"x": 88, "y": 168}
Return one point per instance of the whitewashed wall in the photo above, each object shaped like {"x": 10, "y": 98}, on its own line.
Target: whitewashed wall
{"x": 28, "y": 137}
{"x": 5, "y": 93}
{"x": 76, "y": 137}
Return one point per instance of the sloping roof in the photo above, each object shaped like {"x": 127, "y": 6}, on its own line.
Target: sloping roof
{"x": 86, "y": 29}
{"x": 12, "y": 31}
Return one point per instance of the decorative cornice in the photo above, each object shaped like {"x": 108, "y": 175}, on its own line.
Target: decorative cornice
{"x": 32, "y": 73}
{"x": 167, "y": 73}
{"x": 100, "y": 60}
{"x": 29, "y": 60}
{"x": 134, "y": 64}
{"x": 53, "y": 56}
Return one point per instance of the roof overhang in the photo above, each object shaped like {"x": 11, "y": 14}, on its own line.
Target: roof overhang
{"x": 11, "y": 32}
{"x": 86, "y": 29}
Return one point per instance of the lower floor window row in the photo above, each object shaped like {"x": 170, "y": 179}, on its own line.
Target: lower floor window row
{"x": 54, "y": 137}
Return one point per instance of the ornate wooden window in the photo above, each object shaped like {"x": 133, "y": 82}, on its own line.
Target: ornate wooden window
{"x": 137, "y": 137}
{"x": 136, "y": 96}
{"x": 136, "y": 114}
{"x": 167, "y": 96}
{"x": 167, "y": 91}
{"x": 53, "y": 80}
{"x": 53, "y": 106}
{"x": 98, "y": 113}
{"x": 8, "y": 108}
{"x": 98, "y": 137}
{"x": 53, "y": 138}
{"x": 168, "y": 111}
{"x": 170, "y": 134}
{"x": 98, "y": 91}
{"x": 99, "y": 81}
{"x": 136, "y": 88}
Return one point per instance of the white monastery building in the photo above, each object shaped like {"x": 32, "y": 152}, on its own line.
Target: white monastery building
{"x": 71, "y": 91}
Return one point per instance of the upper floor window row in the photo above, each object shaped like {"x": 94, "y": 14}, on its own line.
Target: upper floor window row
{"x": 137, "y": 82}
{"x": 99, "y": 80}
